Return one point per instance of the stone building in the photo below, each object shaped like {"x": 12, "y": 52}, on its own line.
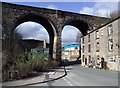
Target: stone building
{"x": 71, "y": 52}
{"x": 100, "y": 48}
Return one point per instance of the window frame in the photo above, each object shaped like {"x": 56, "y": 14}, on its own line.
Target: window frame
{"x": 97, "y": 34}
{"x": 89, "y": 48}
{"x": 110, "y": 38}
{"x": 89, "y": 38}
{"x": 97, "y": 47}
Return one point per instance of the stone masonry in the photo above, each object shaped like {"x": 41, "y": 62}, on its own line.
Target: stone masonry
{"x": 53, "y": 21}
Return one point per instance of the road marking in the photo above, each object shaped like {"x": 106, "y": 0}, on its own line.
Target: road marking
{"x": 69, "y": 83}
{"x": 51, "y": 73}
{"x": 77, "y": 84}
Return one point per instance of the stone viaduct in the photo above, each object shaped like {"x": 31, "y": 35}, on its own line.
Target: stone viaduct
{"x": 53, "y": 21}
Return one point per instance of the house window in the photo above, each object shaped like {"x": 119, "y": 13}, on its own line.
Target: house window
{"x": 83, "y": 49}
{"x": 88, "y": 38}
{"x": 110, "y": 44}
{"x": 89, "y": 58}
{"x": 111, "y": 59}
{"x": 83, "y": 40}
{"x": 110, "y": 39}
{"x": 102, "y": 32}
{"x": 76, "y": 47}
{"x": 97, "y": 34}
{"x": 97, "y": 47}
{"x": 98, "y": 59}
{"x": 89, "y": 48}
{"x": 83, "y": 58}
{"x": 110, "y": 29}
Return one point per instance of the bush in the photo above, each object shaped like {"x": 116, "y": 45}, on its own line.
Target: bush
{"x": 27, "y": 64}
{"x": 97, "y": 67}
{"x": 35, "y": 63}
{"x": 5, "y": 67}
{"x": 53, "y": 63}
{"x": 91, "y": 66}
{"x": 23, "y": 69}
{"x": 5, "y": 76}
{"x": 45, "y": 65}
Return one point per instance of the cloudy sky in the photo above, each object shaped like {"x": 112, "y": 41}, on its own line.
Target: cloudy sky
{"x": 92, "y": 8}
{"x": 32, "y": 30}
{"x": 38, "y": 32}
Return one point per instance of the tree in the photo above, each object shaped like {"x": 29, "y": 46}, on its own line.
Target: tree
{"x": 78, "y": 40}
{"x": 11, "y": 52}
{"x": 115, "y": 14}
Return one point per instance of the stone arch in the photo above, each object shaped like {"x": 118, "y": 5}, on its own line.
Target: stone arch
{"x": 81, "y": 25}
{"x": 44, "y": 21}
{"x": 41, "y": 19}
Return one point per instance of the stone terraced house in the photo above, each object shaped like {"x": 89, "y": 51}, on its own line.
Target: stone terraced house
{"x": 100, "y": 48}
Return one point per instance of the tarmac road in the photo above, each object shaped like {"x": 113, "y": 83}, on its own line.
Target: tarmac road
{"x": 82, "y": 76}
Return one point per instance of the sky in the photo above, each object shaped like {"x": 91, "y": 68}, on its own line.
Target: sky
{"x": 38, "y": 32}
{"x": 32, "y": 30}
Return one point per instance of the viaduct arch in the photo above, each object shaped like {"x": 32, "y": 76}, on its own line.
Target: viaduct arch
{"x": 52, "y": 20}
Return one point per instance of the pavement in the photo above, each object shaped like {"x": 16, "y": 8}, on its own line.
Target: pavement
{"x": 52, "y": 75}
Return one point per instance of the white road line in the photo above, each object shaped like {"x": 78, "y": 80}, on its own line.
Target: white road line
{"x": 51, "y": 73}
{"x": 69, "y": 83}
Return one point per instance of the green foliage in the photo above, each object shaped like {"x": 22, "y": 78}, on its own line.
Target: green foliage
{"x": 11, "y": 52}
{"x": 28, "y": 63}
{"x": 35, "y": 62}
{"x": 18, "y": 62}
{"x": 97, "y": 67}
{"x": 5, "y": 76}
{"x": 97, "y": 50}
{"x": 23, "y": 69}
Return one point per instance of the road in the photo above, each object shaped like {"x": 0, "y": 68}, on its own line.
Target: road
{"x": 82, "y": 76}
